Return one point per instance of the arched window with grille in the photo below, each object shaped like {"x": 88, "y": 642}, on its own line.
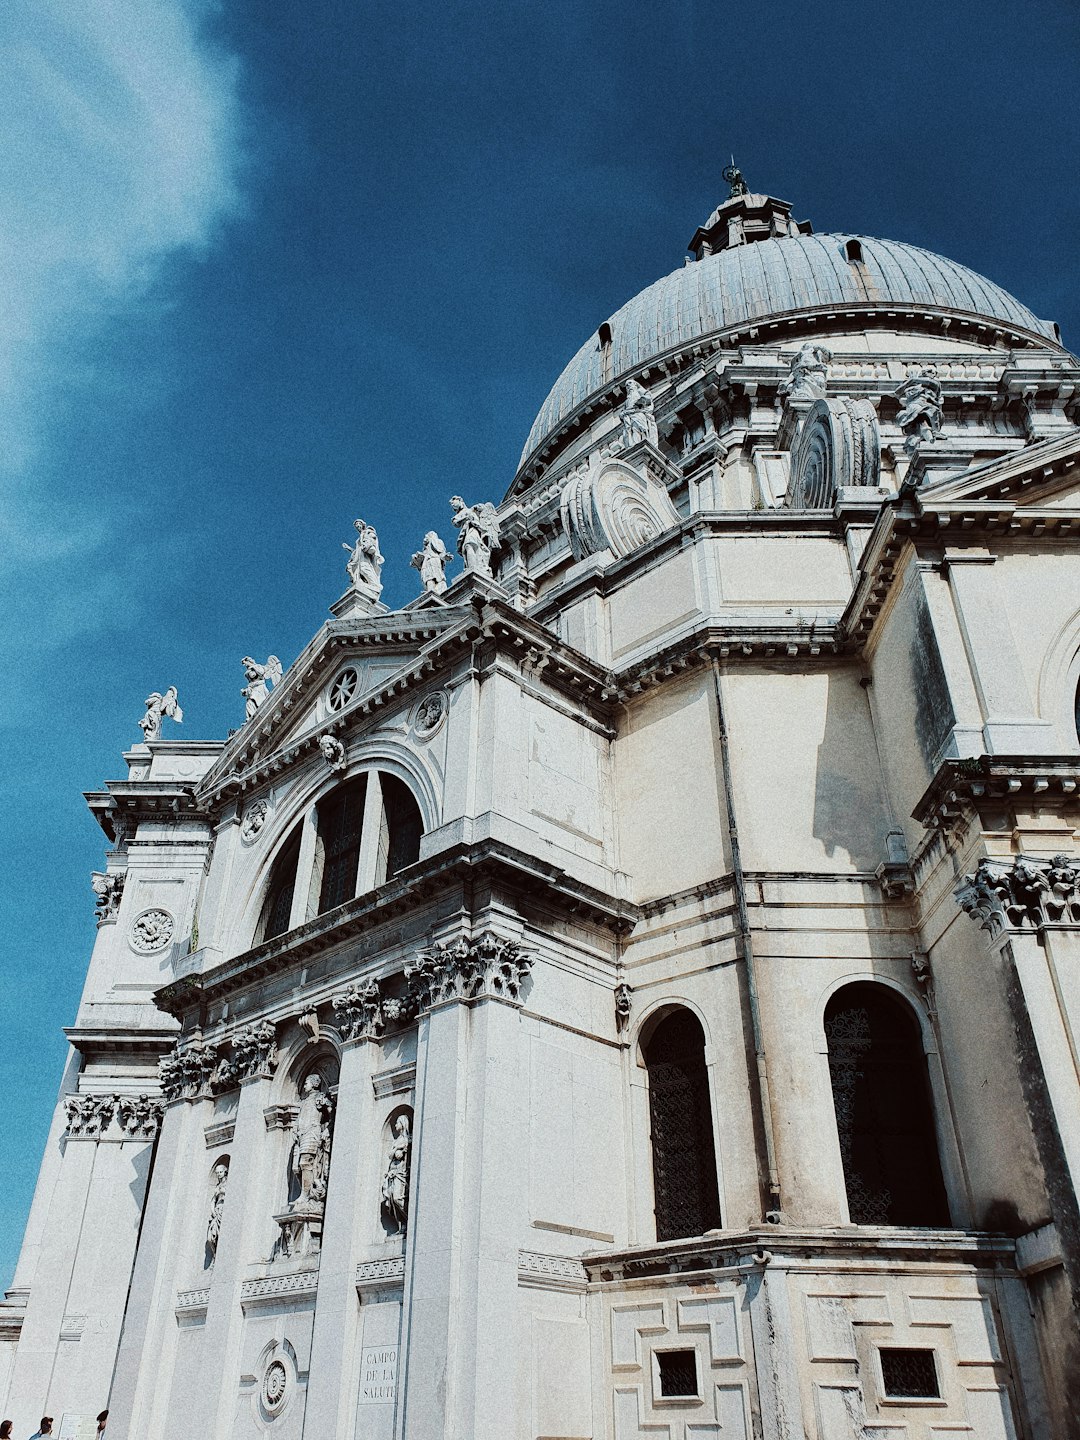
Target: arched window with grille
{"x": 341, "y": 825}
{"x": 687, "y": 1198}
{"x": 884, "y": 1111}
{"x": 277, "y": 907}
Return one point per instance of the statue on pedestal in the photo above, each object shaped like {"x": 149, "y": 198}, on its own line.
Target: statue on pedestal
{"x": 478, "y": 534}
{"x": 638, "y": 417}
{"x": 311, "y": 1146}
{"x": 809, "y": 375}
{"x": 365, "y": 561}
{"x": 159, "y": 706}
{"x": 259, "y": 678}
{"x": 432, "y": 562}
{"x": 921, "y": 415}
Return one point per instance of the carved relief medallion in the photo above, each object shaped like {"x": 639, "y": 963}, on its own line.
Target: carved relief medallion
{"x": 430, "y": 714}
{"x": 254, "y": 820}
{"x": 275, "y": 1385}
{"x": 152, "y": 930}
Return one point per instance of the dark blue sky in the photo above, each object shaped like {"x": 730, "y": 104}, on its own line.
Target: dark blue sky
{"x": 326, "y": 261}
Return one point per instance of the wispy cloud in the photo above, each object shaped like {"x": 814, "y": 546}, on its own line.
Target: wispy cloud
{"x": 118, "y": 150}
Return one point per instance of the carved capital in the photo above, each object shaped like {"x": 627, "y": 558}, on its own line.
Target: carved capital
{"x": 1026, "y": 894}
{"x": 185, "y": 1072}
{"x": 359, "y": 1011}
{"x": 108, "y": 888}
{"x": 468, "y": 969}
{"x": 254, "y": 1052}
{"x": 139, "y": 1115}
{"x": 88, "y": 1116}
{"x": 623, "y": 1002}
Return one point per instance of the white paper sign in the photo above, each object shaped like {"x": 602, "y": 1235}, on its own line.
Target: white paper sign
{"x": 378, "y": 1374}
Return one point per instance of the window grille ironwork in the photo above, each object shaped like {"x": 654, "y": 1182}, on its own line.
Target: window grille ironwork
{"x": 909, "y": 1374}
{"x": 403, "y": 823}
{"x": 279, "y": 894}
{"x": 341, "y": 819}
{"x": 684, "y": 1158}
{"x": 678, "y": 1372}
{"x": 884, "y": 1117}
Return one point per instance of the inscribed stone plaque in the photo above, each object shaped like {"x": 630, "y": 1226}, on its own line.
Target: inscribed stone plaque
{"x": 378, "y": 1374}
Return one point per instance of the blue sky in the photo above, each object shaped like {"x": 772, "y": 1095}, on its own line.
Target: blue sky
{"x": 265, "y": 268}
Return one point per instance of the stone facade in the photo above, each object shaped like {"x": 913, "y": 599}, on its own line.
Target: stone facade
{"x": 631, "y": 991}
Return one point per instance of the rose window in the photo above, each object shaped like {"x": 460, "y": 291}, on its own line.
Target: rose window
{"x": 343, "y": 689}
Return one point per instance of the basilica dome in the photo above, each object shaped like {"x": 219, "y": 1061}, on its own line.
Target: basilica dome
{"x": 756, "y": 265}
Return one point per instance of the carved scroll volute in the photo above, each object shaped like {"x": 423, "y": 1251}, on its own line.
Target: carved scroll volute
{"x": 838, "y": 445}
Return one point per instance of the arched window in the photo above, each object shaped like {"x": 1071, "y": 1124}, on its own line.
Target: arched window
{"x": 684, "y": 1159}
{"x": 881, "y": 1091}
{"x": 403, "y": 826}
{"x": 854, "y": 252}
{"x": 341, "y": 825}
{"x": 279, "y": 892}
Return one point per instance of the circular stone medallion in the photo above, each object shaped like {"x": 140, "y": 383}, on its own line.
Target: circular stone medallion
{"x": 430, "y": 714}
{"x": 254, "y": 820}
{"x": 275, "y": 1386}
{"x": 152, "y": 930}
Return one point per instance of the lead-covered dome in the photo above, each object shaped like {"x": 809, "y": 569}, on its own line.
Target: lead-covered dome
{"x": 778, "y": 276}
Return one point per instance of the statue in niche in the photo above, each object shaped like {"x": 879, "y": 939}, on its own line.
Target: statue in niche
{"x": 638, "y": 417}
{"x": 365, "y": 561}
{"x": 259, "y": 678}
{"x": 809, "y": 375}
{"x": 159, "y": 706}
{"x": 311, "y": 1144}
{"x": 217, "y": 1206}
{"x": 478, "y": 534}
{"x": 395, "y": 1185}
{"x": 432, "y": 562}
{"x": 921, "y": 416}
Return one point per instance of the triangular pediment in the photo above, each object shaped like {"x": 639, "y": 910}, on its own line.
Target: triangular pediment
{"x": 1046, "y": 473}
{"x": 349, "y": 664}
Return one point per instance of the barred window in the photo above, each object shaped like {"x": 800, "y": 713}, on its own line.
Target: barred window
{"x": 341, "y": 821}
{"x": 909, "y": 1374}
{"x": 884, "y": 1116}
{"x": 683, "y": 1155}
{"x": 403, "y": 825}
{"x": 279, "y": 891}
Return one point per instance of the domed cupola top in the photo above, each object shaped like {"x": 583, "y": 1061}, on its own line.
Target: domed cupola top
{"x": 743, "y": 218}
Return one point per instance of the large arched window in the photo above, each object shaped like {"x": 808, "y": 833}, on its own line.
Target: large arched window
{"x": 683, "y": 1155}
{"x": 884, "y": 1115}
{"x": 362, "y": 834}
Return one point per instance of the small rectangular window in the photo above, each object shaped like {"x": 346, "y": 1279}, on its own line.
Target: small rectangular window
{"x": 678, "y": 1372}
{"x": 910, "y": 1374}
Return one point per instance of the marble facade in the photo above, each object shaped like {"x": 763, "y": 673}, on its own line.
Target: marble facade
{"x": 760, "y": 684}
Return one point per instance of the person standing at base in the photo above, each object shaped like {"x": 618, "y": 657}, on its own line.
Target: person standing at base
{"x": 5, "y": 1429}
{"x": 102, "y": 1421}
{"x": 44, "y": 1429}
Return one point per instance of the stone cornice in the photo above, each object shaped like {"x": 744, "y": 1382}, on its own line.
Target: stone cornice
{"x": 962, "y": 785}
{"x": 487, "y": 861}
{"x": 124, "y": 803}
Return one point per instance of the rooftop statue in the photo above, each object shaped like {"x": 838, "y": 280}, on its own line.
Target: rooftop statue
{"x": 365, "y": 562}
{"x": 809, "y": 377}
{"x": 157, "y": 707}
{"x": 432, "y": 562}
{"x": 259, "y": 678}
{"x": 478, "y": 534}
{"x": 734, "y": 177}
{"x": 920, "y": 417}
{"x": 638, "y": 417}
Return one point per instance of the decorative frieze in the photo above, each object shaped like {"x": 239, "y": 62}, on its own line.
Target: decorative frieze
{"x": 192, "y": 1302}
{"x": 551, "y": 1272}
{"x": 468, "y": 969}
{"x": 360, "y": 1011}
{"x": 370, "y": 1274}
{"x": 1029, "y": 892}
{"x": 254, "y": 1292}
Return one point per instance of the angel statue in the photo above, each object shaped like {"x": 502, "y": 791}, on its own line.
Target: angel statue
{"x": 432, "y": 562}
{"x": 920, "y": 417}
{"x": 478, "y": 534}
{"x": 259, "y": 678}
{"x": 395, "y": 1185}
{"x": 157, "y": 707}
{"x": 310, "y": 1160}
{"x": 808, "y": 378}
{"x": 638, "y": 416}
{"x": 365, "y": 562}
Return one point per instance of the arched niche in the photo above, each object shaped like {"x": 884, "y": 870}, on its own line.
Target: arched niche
{"x": 216, "y": 1185}
{"x": 884, "y": 1109}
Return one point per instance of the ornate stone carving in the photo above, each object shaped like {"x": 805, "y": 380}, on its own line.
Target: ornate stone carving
{"x": 139, "y": 1115}
{"x": 333, "y": 752}
{"x": 88, "y": 1116}
{"x": 430, "y": 714}
{"x": 275, "y": 1386}
{"x": 920, "y": 416}
{"x": 185, "y": 1071}
{"x": 108, "y": 888}
{"x": 359, "y": 1011}
{"x": 259, "y": 678}
{"x": 478, "y": 534}
{"x": 395, "y": 1184}
{"x": 838, "y": 445}
{"x": 254, "y": 1051}
{"x": 370, "y": 1273}
{"x": 343, "y": 688}
{"x": 308, "y": 1020}
{"x": 809, "y": 375}
{"x": 159, "y": 706}
{"x": 466, "y": 970}
{"x": 1029, "y": 892}
{"x": 623, "y": 1000}
{"x": 255, "y": 816}
{"x": 219, "y": 1180}
{"x": 151, "y": 930}
{"x": 637, "y": 418}
{"x": 365, "y": 561}
{"x": 614, "y": 506}
{"x": 309, "y": 1165}
{"x": 432, "y": 562}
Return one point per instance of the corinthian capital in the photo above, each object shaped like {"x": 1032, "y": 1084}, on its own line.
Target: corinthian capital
{"x": 468, "y": 969}
{"x": 1028, "y": 893}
